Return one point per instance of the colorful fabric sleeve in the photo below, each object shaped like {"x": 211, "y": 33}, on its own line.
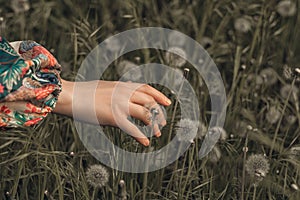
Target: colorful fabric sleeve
{"x": 30, "y": 83}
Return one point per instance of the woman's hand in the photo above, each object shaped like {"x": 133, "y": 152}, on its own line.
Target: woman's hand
{"x": 114, "y": 102}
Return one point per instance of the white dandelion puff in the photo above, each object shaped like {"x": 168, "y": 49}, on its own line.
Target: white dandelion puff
{"x": 175, "y": 56}
{"x": 19, "y": 6}
{"x": 186, "y": 130}
{"x": 97, "y": 176}
{"x": 128, "y": 70}
{"x": 242, "y": 25}
{"x": 289, "y": 89}
{"x": 273, "y": 115}
{"x": 257, "y": 166}
{"x": 215, "y": 155}
{"x": 269, "y": 76}
{"x": 286, "y": 8}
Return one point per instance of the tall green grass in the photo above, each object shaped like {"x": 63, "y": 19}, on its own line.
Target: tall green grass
{"x": 49, "y": 161}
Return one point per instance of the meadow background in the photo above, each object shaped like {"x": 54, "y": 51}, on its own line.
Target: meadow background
{"x": 255, "y": 45}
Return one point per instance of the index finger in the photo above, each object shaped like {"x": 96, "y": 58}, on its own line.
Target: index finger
{"x": 157, "y": 95}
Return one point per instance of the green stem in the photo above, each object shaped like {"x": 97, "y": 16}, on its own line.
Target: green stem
{"x": 244, "y": 167}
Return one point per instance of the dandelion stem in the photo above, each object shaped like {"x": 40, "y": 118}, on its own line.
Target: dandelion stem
{"x": 281, "y": 117}
{"x": 244, "y": 166}
{"x": 254, "y": 192}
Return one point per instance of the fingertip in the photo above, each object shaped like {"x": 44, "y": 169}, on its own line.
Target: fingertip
{"x": 168, "y": 102}
{"x": 145, "y": 142}
{"x": 158, "y": 134}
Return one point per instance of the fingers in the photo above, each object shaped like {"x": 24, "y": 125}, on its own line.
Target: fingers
{"x": 148, "y": 102}
{"x": 140, "y": 112}
{"x": 158, "y": 96}
{"x": 132, "y": 130}
{"x": 144, "y": 114}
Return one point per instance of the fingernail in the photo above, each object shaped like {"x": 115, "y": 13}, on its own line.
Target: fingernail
{"x": 146, "y": 142}
{"x": 168, "y": 101}
{"x": 158, "y": 134}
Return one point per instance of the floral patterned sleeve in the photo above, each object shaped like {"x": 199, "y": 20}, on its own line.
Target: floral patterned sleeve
{"x": 29, "y": 83}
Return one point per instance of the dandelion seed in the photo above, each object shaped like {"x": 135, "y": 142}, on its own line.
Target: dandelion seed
{"x": 257, "y": 166}
{"x": 175, "y": 56}
{"x": 97, "y": 176}
{"x": 286, "y": 89}
{"x": 295, "y": 186}
{"x": 273, "y": 115}
{"x": 242, "y": 25}
{"x": 20, "y": 6}
{"x": 286, "y": 8}
{"x": 269, "y": 76}
{"x": 215, "y": 154}
{"x": 186, "y": 130}
{"x": 176, "y": 39}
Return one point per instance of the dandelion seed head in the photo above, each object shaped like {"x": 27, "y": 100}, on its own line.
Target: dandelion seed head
{"x": 269, "y": 76}
{"x": 285, "y": 90}
{"x": 175, "y": 56}
{"x": 97, "y": 176}
{"x": 257, "y": 166}
{"x": 286, "y": 8}
{"x": 186, "y": 130}
{"x": 273, "y": 115}
{"x": 216, "y": 130}
{"x": 20, "y": 6}
{"x": 215, "y": 154}
{"x": 128, "y": 70}
{"x": 242, "y": 25}
{"x": 202, "y": 130}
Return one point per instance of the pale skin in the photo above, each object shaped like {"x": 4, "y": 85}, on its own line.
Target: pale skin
{"x": 134, "y": 100}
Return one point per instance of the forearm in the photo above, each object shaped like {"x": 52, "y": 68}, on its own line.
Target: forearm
{"x": 64, "y": 102}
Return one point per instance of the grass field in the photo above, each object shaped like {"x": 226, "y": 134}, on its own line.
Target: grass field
{"x": 256, "y": 47}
